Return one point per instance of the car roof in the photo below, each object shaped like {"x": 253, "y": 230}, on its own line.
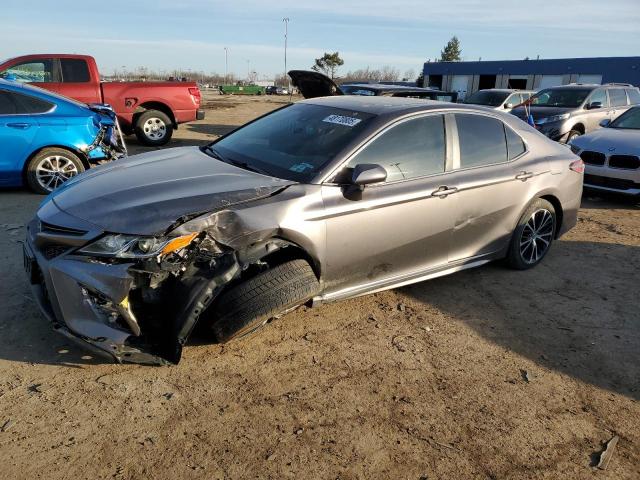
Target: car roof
{"x": 506, "y": 90}
{"x": 393, "y": 106}
{"x": 389, "y": 88}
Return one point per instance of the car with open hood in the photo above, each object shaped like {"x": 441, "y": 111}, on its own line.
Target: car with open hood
{"x": 315, "y": 84}
{"x": 318, "y": 201}
{"x": 612, "y": 155}
{"x": 46, "y": 139}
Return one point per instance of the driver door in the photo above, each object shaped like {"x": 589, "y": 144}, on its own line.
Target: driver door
{"x": 394, "y": 229}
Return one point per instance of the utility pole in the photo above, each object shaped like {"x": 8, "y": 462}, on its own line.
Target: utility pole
{"x": 248, "y": 69}
{"x": 226, "y": 65}
{"x": 286, "y": 33}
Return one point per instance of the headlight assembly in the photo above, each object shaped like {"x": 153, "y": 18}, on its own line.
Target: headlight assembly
{"x": 553, "y": 118}
{"x": 133, "y": 246}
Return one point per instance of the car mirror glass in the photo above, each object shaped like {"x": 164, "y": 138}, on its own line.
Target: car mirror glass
{"x": 593, "y": 105}
{"x": 508, "y": 105}
{"x": 605, "y": 123}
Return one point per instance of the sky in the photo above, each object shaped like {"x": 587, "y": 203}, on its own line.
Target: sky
{"x": 192, "y": 34}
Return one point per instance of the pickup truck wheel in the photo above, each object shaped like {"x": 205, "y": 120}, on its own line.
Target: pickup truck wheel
{"x": 153, "y": 128}
{"x": 274, "y": 292}
{"x": 50, "y": 168}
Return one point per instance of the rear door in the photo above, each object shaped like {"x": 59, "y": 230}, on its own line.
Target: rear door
{"x": 493, "y": 173}
{"x": 76, "y": 81}
{"x": 396, "y": 228}
{"x": 17, "y": 131}
{"x": 619, "y": 102}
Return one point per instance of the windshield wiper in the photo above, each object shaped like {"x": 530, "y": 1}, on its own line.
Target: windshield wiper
{"x": 236, "y": 163}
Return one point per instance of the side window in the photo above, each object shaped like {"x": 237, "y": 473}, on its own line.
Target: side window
{"x": 33, "y": 71}
{"x": 7, "y": 103}
{"x": 74, "y": 70}
{"x": 599, "y": 96}
{"x": 515, "y": 145}
{"x": 413, "y": 148}
{"x": 634, "y": 96}
{"x": 28, "y": 104}
{"x": 482, "y": 140}
{"x": 618, "y": 97}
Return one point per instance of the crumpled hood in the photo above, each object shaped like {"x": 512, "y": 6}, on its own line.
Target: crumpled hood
{"x": 610, "y": 141}
{"x": 146, "y": 194}
{"x": 540, "y": 112}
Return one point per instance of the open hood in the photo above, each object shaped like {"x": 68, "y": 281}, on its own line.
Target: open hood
{"x": 314, "y": 84}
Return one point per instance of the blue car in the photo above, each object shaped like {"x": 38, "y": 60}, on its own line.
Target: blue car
{"x": 46, "y": 138}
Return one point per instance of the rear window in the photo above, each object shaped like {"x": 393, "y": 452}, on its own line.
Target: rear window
{"x": 634, "y": 96}
{"x": 7, "y": 104}
{"x": 482, "y": 140}
{"x": 617, "y": 97}
{"x": 74, "y": 70}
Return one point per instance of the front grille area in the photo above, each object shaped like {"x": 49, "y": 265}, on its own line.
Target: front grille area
{"x": 617, "y": 183}
{"x": 55, "y": 229}
{"x": 593, "y": 158}
{"x": 53, "y": 251}
{"x": 629, "y": 162}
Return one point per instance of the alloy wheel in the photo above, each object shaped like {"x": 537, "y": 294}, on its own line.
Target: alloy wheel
{"x": 54, "y": 170}
{"x": 154, "y": 128}
{"x": 536, "y": 236}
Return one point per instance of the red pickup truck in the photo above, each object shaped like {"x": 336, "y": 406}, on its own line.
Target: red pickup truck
{"x": 151, "y": 110}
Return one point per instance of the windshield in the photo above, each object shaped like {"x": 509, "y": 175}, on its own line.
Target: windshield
{"x": 294, "y": 143}
{"x": 629, "y": 120}
{"x": 355, "y": 90}
{"x": 561, "y": 97}
{"x": 491, "y": 99}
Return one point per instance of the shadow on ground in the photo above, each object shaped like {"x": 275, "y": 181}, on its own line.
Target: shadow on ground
{"x": 576, "y": 313}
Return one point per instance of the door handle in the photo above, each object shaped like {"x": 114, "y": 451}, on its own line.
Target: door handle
{"x": 21, "y": 126}
{"x": 524, "y": 176}
{"x": 443, "y": 192}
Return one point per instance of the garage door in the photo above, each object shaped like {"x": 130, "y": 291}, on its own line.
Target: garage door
{"x": 550, "y": 81}
{"x": 590, "y": 79}
{"x": 459, "y": 84}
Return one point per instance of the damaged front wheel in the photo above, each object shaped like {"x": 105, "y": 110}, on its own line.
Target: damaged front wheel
{"x": 252, "y": 303}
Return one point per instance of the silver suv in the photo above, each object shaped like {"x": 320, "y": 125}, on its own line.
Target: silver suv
{"x": 504, "y": 99}
{"x": 566, "y": 112}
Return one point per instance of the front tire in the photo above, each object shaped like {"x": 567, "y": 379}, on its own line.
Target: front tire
{"x": 252, "y": 303}
{"x": 533, "y": 236}
{"x": 50, "y": 168}
{"x": 573, "y": 134}
{"x": 153, "y": 128}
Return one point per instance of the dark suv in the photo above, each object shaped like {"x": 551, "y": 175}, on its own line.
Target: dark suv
{"x": 565, "y": 112}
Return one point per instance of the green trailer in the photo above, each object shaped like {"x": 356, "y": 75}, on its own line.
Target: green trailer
{"x": 241, "y": 90}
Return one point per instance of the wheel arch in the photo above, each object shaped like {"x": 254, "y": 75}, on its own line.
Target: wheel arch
{"x": 557, "y": 206}
{"x": 579, "y": 127}
{"x": 154, "y": 105}
{"x": 276, "y": 250}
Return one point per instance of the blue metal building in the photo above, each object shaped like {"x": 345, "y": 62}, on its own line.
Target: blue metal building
{"x": 468, "y": 77}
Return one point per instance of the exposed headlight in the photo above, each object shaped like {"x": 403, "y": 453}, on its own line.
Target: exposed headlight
{"x": 132, "y": 246}
{"x": 553, "y": 118}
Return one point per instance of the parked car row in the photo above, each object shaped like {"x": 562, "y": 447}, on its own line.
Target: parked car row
{"x": 151, "y": 110}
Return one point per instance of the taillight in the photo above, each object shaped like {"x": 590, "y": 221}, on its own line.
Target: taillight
{"x": 577, "y": 166}
{"x": 195, "y": 95}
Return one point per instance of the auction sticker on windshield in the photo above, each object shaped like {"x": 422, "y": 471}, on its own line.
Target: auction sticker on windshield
{"x": 342, "y": 120}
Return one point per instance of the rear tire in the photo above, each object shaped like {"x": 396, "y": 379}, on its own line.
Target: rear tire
{"x": 153, "y": 128}
{"x": 250, "y": 304}
{"x": 50, "y": 168}
{"x": 533, "y": 236}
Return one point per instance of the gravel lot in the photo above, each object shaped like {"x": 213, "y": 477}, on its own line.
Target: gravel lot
{"x": 488, "y": 374}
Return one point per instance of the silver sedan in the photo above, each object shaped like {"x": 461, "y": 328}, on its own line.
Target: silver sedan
{"x": 319, "y": 201}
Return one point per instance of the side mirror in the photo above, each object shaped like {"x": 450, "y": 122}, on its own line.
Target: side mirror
{"x": 605, "y": 123}
{"x": 368, "y": 173}
{"x": 593, "y": 105}
{"x": 508, "y": 105}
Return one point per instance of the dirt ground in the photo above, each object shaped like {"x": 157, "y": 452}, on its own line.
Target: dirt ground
{"x": 485, "y": 374}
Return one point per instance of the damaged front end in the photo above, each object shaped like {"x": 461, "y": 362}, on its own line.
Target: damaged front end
{"x": 109, "y": 141}
{"x": 136, "y": 298}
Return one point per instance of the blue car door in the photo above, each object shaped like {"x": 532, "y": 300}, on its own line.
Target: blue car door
{"x": 17, "y": 131}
